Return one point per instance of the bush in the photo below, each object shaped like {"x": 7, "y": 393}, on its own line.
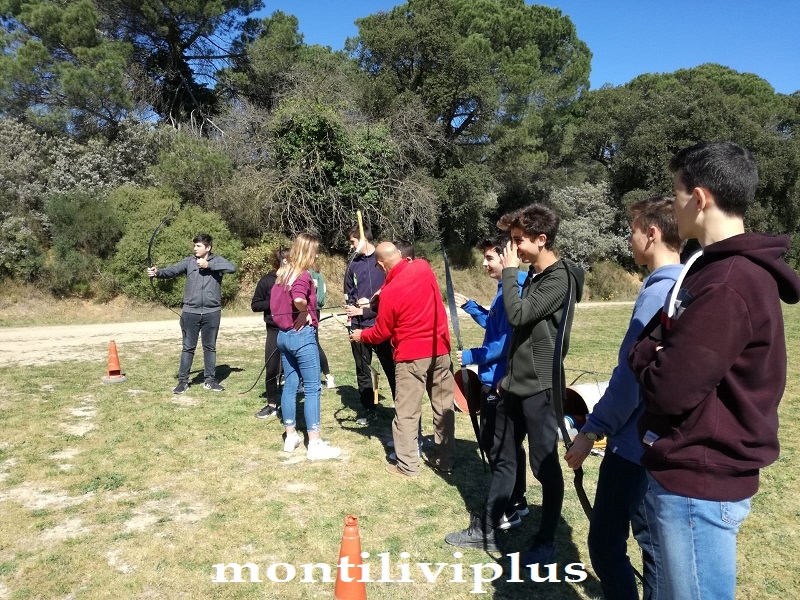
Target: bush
{"x": 20, "y": 254}
{"x": 609, "y": 281}
{"x": 171, "y": 245}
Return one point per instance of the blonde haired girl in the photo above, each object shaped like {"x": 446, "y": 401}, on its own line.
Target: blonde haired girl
{"x": 293, "y": 304}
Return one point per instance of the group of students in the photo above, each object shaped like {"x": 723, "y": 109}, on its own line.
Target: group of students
{"x": 690, "y": 412}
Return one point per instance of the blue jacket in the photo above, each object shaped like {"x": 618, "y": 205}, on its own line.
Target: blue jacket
{"x": 617, "y": 413}
{"x": 492, "y": 357}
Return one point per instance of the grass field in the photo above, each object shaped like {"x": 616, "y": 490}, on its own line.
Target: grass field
{"x": 126, "y": 491}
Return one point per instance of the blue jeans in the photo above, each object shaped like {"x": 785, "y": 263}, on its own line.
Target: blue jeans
{"x": 698, "y": 543}
{"x": 195, "y": 325}
{"x": 300, "y": 358}
{"x": 619, "y": 507}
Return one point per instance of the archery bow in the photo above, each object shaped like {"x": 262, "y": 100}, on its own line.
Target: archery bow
{"x": 150, "y": 256}
{"x": 451, "y": 304}
{"x": 559, "y": 391}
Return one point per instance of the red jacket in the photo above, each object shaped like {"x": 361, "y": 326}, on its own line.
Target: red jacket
{"x": 411, "y": 313}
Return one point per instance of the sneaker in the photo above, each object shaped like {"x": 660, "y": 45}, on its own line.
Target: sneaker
{"x": 521, "y": 507}
{"x": 181, "y": 388}
{"x": 509, "y": 521}
{"x": 319, "y": 450}
{"x": 395, "y": 470}
{"x": 542, "y": 554}
{"x": 291, "y": 442}
{"x": 213, "y": 386}
{"x": 368, "y": 418}
{"x": 331, "y": 383}
{"x": 267, "y": 412}
{"x": 478, "y": 535}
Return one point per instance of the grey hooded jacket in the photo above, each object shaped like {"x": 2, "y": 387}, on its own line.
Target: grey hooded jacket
{"x": 203, "y": 291}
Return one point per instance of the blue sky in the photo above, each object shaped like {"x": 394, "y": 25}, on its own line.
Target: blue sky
{"x": 628, "y": 37}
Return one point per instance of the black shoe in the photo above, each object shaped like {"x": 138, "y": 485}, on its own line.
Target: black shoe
{"x": 479, "y": 535}
{"x": 181, "y": 388}
{"x": 267, "y": 412}
{"x": 521, "y": 506}
{"x": 540, "y": 553}
{"x": 213, "y": 386}
{"x": 368, "y": 418}
{"x": 510, "y": 520}
{"x": 434, "y": 464}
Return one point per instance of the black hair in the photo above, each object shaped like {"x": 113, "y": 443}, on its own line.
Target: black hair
{"x": 496, "y": 242}
{"x": 203, "y": 238}
{"x": 353, "y": 232}
{"x": 725, "y": 169}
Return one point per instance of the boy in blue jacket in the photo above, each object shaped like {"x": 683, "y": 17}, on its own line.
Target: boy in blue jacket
{"x": 491, "y": 358}
{"x": 619, "y": 504}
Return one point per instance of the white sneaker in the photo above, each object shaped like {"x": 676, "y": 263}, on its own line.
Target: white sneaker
{"x": 331, "y": 383}
{"x": 292, "y": 441}
{"x": 393, "y": 455}
{"x": 320, "y": 450}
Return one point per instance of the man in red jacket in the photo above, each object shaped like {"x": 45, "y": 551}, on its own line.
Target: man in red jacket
{"x": 412, "y": 315}
{"x": 712, "y": 370}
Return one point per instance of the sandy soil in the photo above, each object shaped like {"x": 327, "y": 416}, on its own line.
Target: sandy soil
{"x": 47, "y": 345}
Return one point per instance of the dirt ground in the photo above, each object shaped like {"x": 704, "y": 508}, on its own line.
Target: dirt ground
{"x": 34, "y": 346}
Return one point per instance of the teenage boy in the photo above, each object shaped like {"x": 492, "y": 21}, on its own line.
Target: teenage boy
{"x": 619, "y": 505}
{"x": 491, "y": 358}
{"x": 362, "y": 280}
{"x": 525, "y": 404}
{"x": 712, "y": 370}
{"x": 202, "y": 306}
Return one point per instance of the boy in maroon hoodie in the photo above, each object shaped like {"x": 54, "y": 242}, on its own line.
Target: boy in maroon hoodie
{"x": 712, "y": 370}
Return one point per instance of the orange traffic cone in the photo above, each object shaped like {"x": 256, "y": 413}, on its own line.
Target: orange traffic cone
{"x": 355, "y": 589}
{"x": 114, "y": 373}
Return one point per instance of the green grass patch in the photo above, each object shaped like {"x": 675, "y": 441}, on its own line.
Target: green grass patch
{"x": 162, "y": 487}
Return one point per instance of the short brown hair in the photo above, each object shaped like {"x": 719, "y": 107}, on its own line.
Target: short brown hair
{"x": 534, "y": 220}
{"x": 657, "y": 211}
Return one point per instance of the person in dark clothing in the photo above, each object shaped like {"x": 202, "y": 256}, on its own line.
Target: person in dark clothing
{"x": 525, "y": 403}
{"x": 322, "y": 292}
{"x": 362, "y": 280}
{"x": 712, "y": 370}
{"x": 202, "y": 305}
{"x": 272, "y": 357}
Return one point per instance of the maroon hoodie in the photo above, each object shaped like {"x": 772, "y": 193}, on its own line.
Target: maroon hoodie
{"x": 711, "y": 393}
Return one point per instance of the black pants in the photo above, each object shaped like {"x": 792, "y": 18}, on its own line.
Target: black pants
{"x": 515, "y": 418}
{"x": 488, "y": 422}
{"x": 362, "y": 354}
{"x": 323, "y": 360}
{"x": 272, "y": 360}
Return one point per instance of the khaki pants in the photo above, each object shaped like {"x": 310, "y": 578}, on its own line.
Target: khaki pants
{"x": 413, "y": 378}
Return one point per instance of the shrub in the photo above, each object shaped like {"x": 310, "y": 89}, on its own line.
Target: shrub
{"x": 609, "y": 281}
{"x": 171, "y": 245}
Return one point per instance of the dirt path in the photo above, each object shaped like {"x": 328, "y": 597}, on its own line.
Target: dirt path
{"x": 47, "y": 345}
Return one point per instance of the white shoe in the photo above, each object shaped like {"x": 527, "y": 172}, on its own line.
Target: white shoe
{"x": 393, "y": 455}
{"x": 292, "y": 441}
{"x": 331, "y": 383}
{"x": 320, "y": 450}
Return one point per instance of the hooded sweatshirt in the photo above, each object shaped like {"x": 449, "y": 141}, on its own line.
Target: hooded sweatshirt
{"x": 362, "y": 279}
{"x": 617, "y": 413}
{"x": 535, "y": 317}
{"x": 203, "y": 291}
{"x": 711, "y": 393}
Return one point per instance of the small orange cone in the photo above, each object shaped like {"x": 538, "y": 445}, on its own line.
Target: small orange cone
{"x": 351, "y": 549}
{"x": 114, "y": 372}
